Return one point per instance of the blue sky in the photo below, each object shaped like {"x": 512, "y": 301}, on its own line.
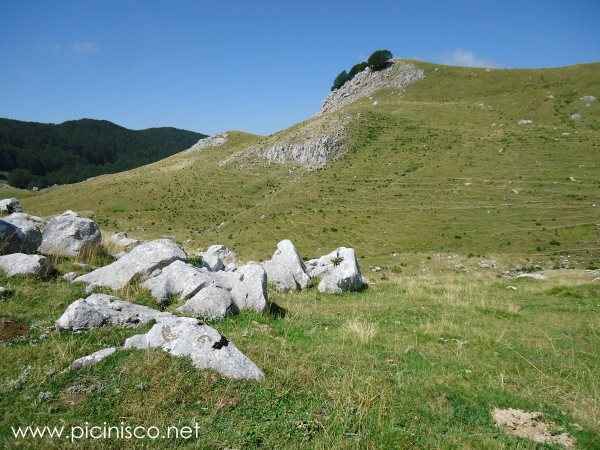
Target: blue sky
{"x": 258, "y": 66}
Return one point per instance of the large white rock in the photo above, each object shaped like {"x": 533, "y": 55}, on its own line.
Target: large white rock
{"x": 212, "y": 302}
{"x": 178, "y": 279}
{"x": 205, "y": 346}
{"x": 10, "y": 205}
{"x": 217, "y": 257}
{"x": 139, "y": 262}
{"x": 286, "y": 269}
{"x": 22, "y": 264}
{"x": 93, "y": 359}
{"x": 99, "y": 310}
{"x": 248, "y": 286}
{"x": 69, "y": 234}
{"x": 339, "y": 271}
{"x": 25, "y": 237}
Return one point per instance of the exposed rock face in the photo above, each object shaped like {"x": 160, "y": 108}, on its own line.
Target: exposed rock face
{"x": 211, "y": 141}
{"x": 286, "y": 268}
{"x": 399, "y": 76}
{"x": 120, "y": 243}
{"x": 10, "y": 205}
{"x": 26, "y": 236}
{"x": 139, "y": 262}
{"x": 205, "y": 346}
{"x": 69, "y": 235}
{"x": 22, "y": 264}
{"x": 93, "y": 359}
{"x": 338, "y": 271}
{"x": 213, "y": 302}
{"x": 217, "y": 257}
{"x": 177, "y": 279}
{"x": 99, "y": 310}
{"x": 312, "y": 153}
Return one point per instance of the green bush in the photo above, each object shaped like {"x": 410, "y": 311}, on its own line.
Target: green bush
{"x": 357, "y": 68}
{"x": 340, "y": 80}
{"x": 379, "y": 59}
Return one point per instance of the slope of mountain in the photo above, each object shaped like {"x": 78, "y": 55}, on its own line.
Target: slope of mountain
{"x": 466, "y": 160}
{"x": 38, "y": 154}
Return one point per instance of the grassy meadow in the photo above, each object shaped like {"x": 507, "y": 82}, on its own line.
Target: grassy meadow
{"x": 435, "y": 180}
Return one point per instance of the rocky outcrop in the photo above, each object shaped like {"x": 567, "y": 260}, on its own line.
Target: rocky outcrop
{"x": 25, "y": 237}
{"x": 338, "y": 271}
{"x": 205, "y": 346}
{"x": 398, "y": 76}
{"x": 99, "y": 310}
{"x": 93, "y": 359}
{"x": 10, "y": 205}
{"x": 212, "y": 302}
{"x": 286, "y": 269}
{"x": 248, "y": 287}
{"x": 69, "y": 234}
{"x": 22, "y": 264}
{"x": 208, "y": 142}
{"x": 139, "y": 263}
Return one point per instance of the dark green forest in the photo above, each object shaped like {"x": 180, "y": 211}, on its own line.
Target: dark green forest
{"x": 39, "y": 154}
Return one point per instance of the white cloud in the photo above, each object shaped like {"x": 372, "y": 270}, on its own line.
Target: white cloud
{"x": 84, "y": 47}
{"x": 466, "y": 58}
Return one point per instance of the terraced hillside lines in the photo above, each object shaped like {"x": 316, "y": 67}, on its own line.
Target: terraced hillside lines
{"x": 445, "y": 166}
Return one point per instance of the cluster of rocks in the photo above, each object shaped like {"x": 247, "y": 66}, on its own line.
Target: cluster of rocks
{"x": 398, "y": 76}
{"x": 10, "y": 205}
{"x": 217, "y": 287}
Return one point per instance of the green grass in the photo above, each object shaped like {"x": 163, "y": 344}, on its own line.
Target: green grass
{"x": 444, "y": 167}
{"x": 417, "y": 361}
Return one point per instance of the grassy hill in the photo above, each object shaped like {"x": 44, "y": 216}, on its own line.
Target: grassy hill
{"x": 445, "y": 167}
{"x": 39, "y": 154}
{"x": 418, "y": 360}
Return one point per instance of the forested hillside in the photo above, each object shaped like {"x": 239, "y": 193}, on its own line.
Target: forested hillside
{"x": 38, "y": 154}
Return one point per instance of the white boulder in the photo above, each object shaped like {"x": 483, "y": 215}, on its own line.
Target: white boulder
{"x": 10, "y": 205}
{"x": 99, "y": 310}
{"x": 178, "y": 279}
{"x": 22, "y": 264}
{"x": 93, "y": 359}
{"x": 140, "y": 263}
{"x": 205, "y": 346}
{"x": 212, "y": 302}
{"x": 69, "y": 234}
{"x": 25, "y": 237}
{"x": 217, "y": 257}
{"x": 286, "y": 269}
{"x": 338, "y": 271}
{"x": 120, "y": 243}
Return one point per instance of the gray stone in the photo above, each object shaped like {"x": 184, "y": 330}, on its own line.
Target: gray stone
{"x": 22, "y": 264}
{"x": 178, "y": 279}
{"x": 5, "y": 292}
{"x": 531, "y": 276}
{"x": 140, "y": 263}
{"x": 575, "y": 116}
{"x": 212, "y": 302}
{"x": 10, "y": 205}
{"x": 525, "y": 122}
{"x": 339, "y": 271}
{"x": 93, "y": 359}
{"x": 24, "y": 236}
{"x": 249, "y": 288}
{"x": 119, "y": 244}
{"x": 70, "y": 276}
{"x": 216, "y": 257}
{"x": 588, "y": 99}
{"x": 99, "y": 310}
{"x": 211, "y": 141}
{"x": 69, "y": 234}
{"x": 205, "y": 346}
{"x": 286, "y": 269}
{"x": 487, "y": 264}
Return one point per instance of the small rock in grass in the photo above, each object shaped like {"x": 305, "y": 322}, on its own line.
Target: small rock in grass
{"x": 93, "y": 359}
